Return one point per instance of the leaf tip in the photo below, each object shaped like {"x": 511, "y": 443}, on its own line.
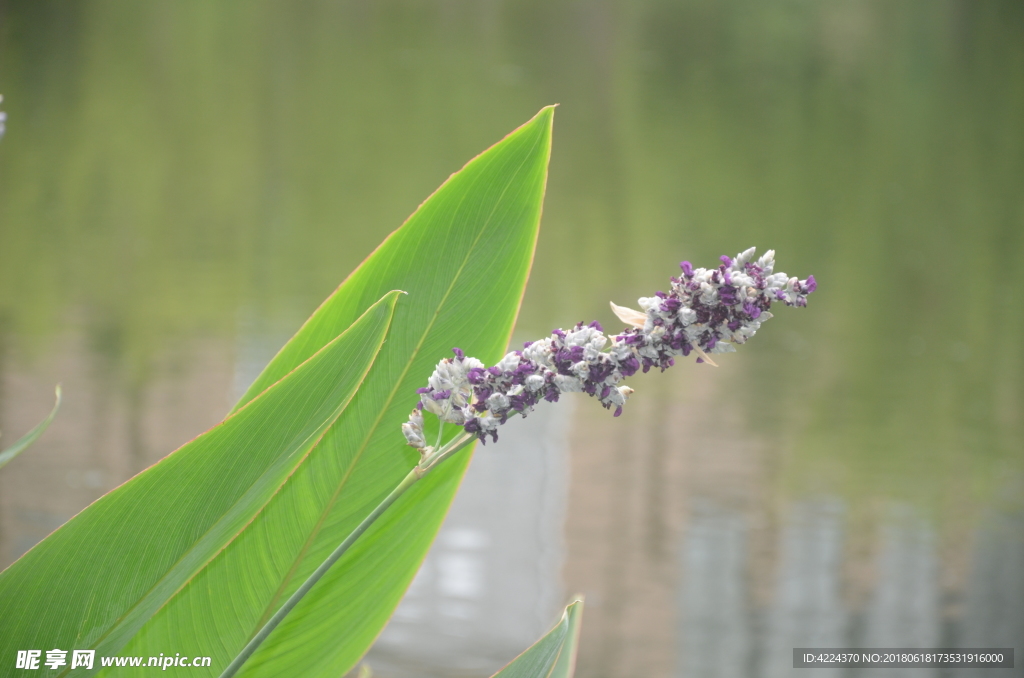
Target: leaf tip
{"x": 391, "y": 297}
{"x": 547, "y": 113}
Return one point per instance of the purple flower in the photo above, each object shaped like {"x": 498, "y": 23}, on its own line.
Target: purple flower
{"x": 706, "y": 311}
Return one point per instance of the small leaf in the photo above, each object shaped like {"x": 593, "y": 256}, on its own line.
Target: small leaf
{"x": 30, "y": 437}
{"x": 554, "y": 655}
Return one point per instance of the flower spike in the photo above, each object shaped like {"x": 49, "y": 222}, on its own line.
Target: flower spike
{"x": 706, "y": 311}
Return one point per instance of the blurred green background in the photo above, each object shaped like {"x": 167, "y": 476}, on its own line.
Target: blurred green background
{"x": 173, "y": 171}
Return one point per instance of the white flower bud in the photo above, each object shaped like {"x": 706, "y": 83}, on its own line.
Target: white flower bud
{"x": 743, "y": 257}
{"x": 568, "y": 384}
{"x": 539, "y": 352}
{"x": 509, "y": 363}
{"x": 461, "y": 396}
{"x": 741, "y": 280}
{"x": 498, "y": 402}
{"x": 455, "y": 416}
{"x": 431, "y": 405}
{"x": 708, "y": 293}
{"x": 647, "y": 303}
{"x": 413, "y": 430}
{"x": 581, "y": 369}
{"x": 489, "y": 423}
{"x": 767, "y": 261}
{"x": 648, "y": 351}
{"x": 579, "y": 337}
{"x": 619, "y": 352}
{"x": 618, "y": 396}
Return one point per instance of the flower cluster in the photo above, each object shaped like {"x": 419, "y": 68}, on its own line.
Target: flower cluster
{"x": 705, "y": 311}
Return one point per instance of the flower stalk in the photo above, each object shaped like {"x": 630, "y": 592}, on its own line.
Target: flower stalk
{"x": 427, "y": 463}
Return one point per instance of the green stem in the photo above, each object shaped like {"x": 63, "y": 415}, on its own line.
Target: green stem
{"x": 432, "y": 459}
{"x": 440, "y": 433}
{"x": 426, "y": 464}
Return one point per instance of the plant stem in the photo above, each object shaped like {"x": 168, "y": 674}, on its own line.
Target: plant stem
{"x": 440, "y": 433}
{"x": 426, "y": 464}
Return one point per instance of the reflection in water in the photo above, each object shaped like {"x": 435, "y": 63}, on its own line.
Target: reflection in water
{"x": 904, "y": 607}
{"x": 103, "y": 435}
{"x": 257, "y": 342}
{"x": 994, "y": 599}
{"x": 807, "y": 610}
{"x": 715, "y": 620}
{"x": 490, "y": 585}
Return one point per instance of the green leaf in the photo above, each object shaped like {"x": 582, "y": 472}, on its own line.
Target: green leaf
{"x": 464, "y": 257}
{"x": 554, "y": 655}
{"x": 98, "y": 579}
{"x": 30, "y": 437}
{"x": 565, "y": 667}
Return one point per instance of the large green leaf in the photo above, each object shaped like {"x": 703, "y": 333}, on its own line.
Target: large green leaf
{"x": 464, "y": 257}
{"x": 554, "y": 655}
{"x": 98, "y": 579}
{"x": 19, "y": 446}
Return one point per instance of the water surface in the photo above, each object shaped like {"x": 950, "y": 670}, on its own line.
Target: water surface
{"x": 182, "y": 184}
